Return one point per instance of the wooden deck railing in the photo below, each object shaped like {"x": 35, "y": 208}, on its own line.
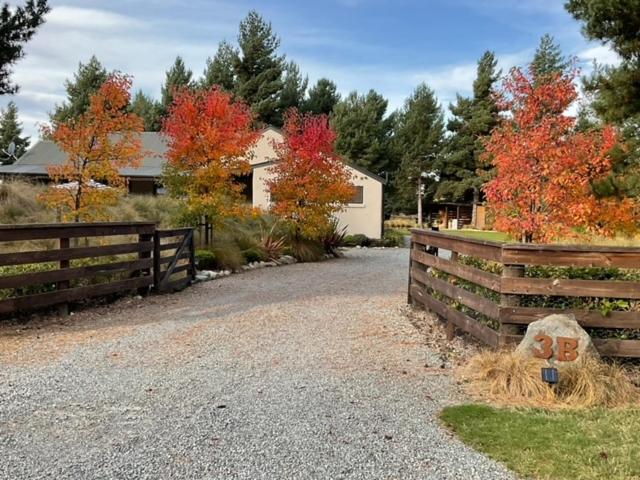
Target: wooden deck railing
{"x": 491, "y": 303}
{"x": 78, "y": 261}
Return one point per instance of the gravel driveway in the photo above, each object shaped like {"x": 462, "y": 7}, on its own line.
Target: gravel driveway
{"x": 302, "y": 371}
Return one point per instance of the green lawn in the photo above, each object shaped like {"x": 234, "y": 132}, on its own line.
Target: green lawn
{"x": 480, "y": 235}
{"x": 586, "y": 444}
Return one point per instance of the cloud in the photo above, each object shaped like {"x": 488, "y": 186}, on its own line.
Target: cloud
{"x": 90, "y": 19}
{"x": 601, "y": 54}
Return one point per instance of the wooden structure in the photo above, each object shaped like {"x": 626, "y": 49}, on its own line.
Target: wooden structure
{"x": 85, "y": 260}
{"x": 436, "y": 275}
{"x": 174, "y": 265}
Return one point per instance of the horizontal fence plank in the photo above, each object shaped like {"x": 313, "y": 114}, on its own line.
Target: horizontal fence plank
{"x": 467, "y": 298}
{"x": 176, "y": 232}
{"x": 181, "y": 268}
{"x": 169, "y": 246}
{"x": 39, "y": 256}
{"x": 40, "y": 300}
{"x": 586, "y": 318}
{"x": 459, "y": 319}
{"x": 57, "y": 275}
{"x": 571, "y": 287}
{"x": 475, "y": 248}
{"x": 475, "y": 275}
{"x": 166, "y": 260}
{"x": 10, "y": 233}
{"x": 571, "y": 256}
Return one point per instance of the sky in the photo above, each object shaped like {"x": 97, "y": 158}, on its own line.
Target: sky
{"x": 387, "y": 45}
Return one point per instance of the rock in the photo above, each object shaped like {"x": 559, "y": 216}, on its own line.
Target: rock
{"x": 200, "y": 277}
{"x": 226, "y": 272}
{"x": 559, "y": 340}
{"x": 271, "y": 264}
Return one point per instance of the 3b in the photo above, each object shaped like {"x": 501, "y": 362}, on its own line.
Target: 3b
{"x": 567, "y": 348}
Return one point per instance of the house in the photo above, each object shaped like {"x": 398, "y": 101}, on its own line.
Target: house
{"x": 363, "y": 215}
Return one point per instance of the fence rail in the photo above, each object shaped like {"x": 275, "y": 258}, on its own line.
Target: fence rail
{"x": 79, "y": 261}
{"x": 493, "y": 306}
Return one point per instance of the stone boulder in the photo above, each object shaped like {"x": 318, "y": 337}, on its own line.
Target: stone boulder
{"x": 557, "y": 339}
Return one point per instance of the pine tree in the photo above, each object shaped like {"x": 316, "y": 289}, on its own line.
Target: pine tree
{"x": 259, "y": 68}
{"x": 220, "y": 69}
{"x": 11, "y": 131}
{"x": 294, "y": 86}
{"x": 419, "y": 135}
{"x": 86, "y": 81}
{"x": 17, "y": 26}
{"x": 177, "y": 76}
{"x": 322, "y": 98}
{"x": 615, "y": 90}
{"x": 149, "y": 110}
{"x": 461, "y": 169}
{"x": 363, "y": 132}
{"x": 548, "y": 59}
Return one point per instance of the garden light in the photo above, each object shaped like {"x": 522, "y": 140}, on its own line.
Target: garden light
{"x": 550, "y": 375}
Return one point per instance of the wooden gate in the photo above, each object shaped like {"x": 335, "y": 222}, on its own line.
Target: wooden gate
{"x": 174, "y": 266}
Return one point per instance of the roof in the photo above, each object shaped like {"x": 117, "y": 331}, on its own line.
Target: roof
{"x": 44, "y": 153}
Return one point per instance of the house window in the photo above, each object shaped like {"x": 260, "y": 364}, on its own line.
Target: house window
{"x": 358, "y": 196}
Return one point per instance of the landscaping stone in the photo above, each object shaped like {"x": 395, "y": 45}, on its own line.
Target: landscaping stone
{"x": 556, "y": 328}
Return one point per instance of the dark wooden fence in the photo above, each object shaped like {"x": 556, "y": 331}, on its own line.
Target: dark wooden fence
{"x": 79, "y": 261}
{"x": 493, "y": 306}
{"x": 174, "y": 259}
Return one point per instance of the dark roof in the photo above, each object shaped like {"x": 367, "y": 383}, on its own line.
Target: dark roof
{"x": 44, "y": 153}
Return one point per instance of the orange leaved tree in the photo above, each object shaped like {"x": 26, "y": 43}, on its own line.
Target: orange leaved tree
{"x": 209, "y": 136}
{"x": 545, "y": 169}
{"x": 309, "y": 182}
{"x": 98, "y": 144}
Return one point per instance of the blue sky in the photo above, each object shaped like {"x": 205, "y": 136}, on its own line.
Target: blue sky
{"x": 387, "y": 45}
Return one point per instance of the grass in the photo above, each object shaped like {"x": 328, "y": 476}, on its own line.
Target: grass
{"x": 487, "y": 235}
{"x": 576, "y": 444}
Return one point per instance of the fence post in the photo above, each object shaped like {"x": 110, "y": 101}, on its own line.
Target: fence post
{"x": 510, "y": 300}
{"x": 145, "y": 237}
{"x": 409, "y": 299}
{"x": 63, "y": 308}
{"x": 192, "y": 255}
{"x": 156, "y": 261}
{"x": 450, "y": 329}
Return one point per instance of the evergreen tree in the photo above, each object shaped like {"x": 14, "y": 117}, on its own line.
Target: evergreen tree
{"x": 419, "y": 136}
{"x": 220, "y": 69}
{"x": 86, "y": 81}
{"x": 294, "y": 86}
{"x": 322, "y": 97}
{"x": 363, "y": 132}
{"x": 548, "y": 59}
{"x": 259, "y": 68}
{"x": 149, "y": 110}
{"x": 17, "y": 26}
{"x": 461, "y": 170}
{"x": 615, "y": 90}
{"x": 176, "y": 77}
{"x": 11, "y": 131}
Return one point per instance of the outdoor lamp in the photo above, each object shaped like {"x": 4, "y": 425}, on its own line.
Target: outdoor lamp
{"x": 550, "y": 375}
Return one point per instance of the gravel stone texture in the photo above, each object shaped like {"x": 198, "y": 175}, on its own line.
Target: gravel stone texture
{"x": 306, "y": 371}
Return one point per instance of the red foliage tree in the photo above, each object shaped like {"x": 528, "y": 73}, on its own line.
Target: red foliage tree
{"x": 209, "y": 138}
{"x": 544, "y": 169}
{"x": 310, "y": 182}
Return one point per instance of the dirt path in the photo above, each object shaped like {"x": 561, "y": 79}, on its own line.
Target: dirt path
{"x": 303, "y": 371}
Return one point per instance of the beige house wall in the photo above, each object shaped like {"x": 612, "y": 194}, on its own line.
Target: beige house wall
{"x": 365, "y": 218}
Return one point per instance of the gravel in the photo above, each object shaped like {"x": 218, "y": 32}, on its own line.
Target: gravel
{"x": 301, "y": 371}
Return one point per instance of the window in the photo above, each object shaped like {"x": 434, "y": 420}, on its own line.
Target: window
{"x": 358, "y": 195}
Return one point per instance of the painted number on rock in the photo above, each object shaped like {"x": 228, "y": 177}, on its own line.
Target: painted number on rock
{"x": 567, "y": 348}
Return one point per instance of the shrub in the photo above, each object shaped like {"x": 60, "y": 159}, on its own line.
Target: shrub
{"x": 254, "y": 254}
{"x": 307, "y": 250}
{"x": 393, "y": 238}
{"x": 357, "y": 240}
{"x": 205, "y": 259}
{"x": 333, "y": 238}
{"x": 228, "y": 256}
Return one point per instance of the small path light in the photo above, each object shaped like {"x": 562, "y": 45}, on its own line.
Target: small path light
{"x": 550, "y": 375}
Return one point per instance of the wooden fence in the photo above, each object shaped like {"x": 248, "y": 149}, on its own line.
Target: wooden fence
{"x": 493, "y": 306}
{"x": 174, "y": 259}
{"x": 79, "y": 261}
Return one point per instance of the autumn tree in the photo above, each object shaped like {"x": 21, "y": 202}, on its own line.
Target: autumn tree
{"x": 310, "y": 182}
{"x": 98, "y": 143}
{"x": 209, "y": 136}
{"x": 545, "y": 169}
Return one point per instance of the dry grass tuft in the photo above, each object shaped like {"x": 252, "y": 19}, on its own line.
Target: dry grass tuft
{"x": 507, "y": 379}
